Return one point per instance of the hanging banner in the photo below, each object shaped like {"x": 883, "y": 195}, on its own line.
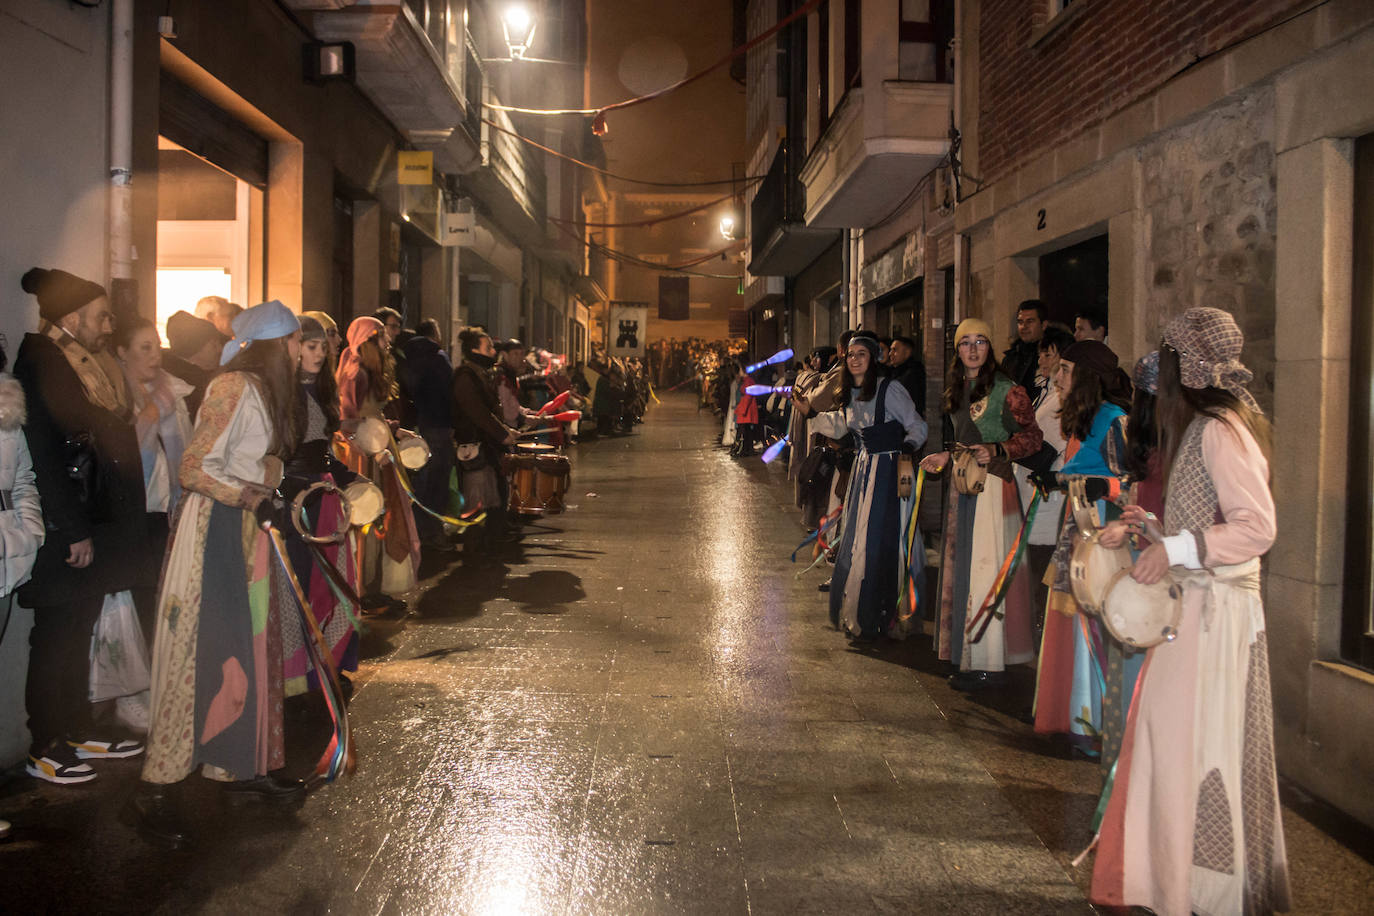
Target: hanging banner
{"x": 629, "y": 323}
{"x": 674, "y": 298}
{"x": 414, "y": 167}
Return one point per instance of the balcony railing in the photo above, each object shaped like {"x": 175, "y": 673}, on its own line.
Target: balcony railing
{"x": 781, "y": 244}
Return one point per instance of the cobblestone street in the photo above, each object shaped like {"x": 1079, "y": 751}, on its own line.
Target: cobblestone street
{"x": 644, "y": 711}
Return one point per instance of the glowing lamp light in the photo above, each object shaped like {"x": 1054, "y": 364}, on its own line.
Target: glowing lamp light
{"x": 727, "y": 228}
{"x": 518, "y": 25}
{"x": 774, "y": 450}
{"x": 781, "y": 356}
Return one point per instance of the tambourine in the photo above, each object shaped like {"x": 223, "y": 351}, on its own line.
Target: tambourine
{"x": 906, "y": 476}
{"x": 365, "y": 502}
{"x": 413, "y": 452}
{"x": 1141, "y": 616}
{"x": 372, "y": 437}
{"x": 1092, "y": 568}
{"x": 1084, "y": 509}
{"x": 300, "y": 520}
{"x": 969, "y": 475}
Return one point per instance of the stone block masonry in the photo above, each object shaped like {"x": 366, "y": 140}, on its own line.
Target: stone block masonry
{"x": 1209, "y": 196}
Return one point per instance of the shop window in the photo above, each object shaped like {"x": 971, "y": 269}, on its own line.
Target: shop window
{"x": 1357, "y": 624}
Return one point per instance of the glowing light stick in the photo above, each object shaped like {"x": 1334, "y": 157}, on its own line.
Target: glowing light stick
{"x": 761, "y": 390}
{"x": 567, "y": 416}
{"x": 775, "y": 449}
{"x": 556, "y": 403}
{"x": 781, "y": 356}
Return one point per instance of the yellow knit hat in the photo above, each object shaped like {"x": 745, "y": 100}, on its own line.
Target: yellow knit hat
{"x": 975, "y": 326}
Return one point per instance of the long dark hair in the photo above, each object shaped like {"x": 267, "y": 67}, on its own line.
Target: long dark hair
{"x": 867, "y": 390}
{"x": 1179, "y": 406}
{"x": 1087, "y": 393}
{"x": 954, "y": 381}
{"x": 326, "y": 391}
{"x": 1142, "y": 437}
{"x": 269, "y": 362}
{"x": 381, "y": 369}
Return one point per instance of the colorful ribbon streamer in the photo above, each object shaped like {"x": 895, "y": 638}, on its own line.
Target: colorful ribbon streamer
{"x": 908, "y": 600}
{"x": 1002, "y": 584}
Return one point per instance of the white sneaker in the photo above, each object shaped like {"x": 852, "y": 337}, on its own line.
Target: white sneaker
{"x": 133, "y": 711}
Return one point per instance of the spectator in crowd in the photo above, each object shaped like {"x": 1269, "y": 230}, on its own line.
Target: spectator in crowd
{"x": 192, "y": 353}
{"x": 482, "y": 437}
{"x": 1090, "y": 323}
{"x": 392, "y": 321}
{"x": 908, "y": 370}
{"x": 90, "y": 480}
{"x": 1019, "y": 361}
{"x": 220, "y": 312}
{"x": 429, "y": 376}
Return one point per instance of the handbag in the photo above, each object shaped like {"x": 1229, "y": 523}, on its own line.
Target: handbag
{"x": 817, "y": 467}
{"x": 471, "y": 456}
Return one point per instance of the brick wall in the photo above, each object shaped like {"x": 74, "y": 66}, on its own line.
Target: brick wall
{"x": 1111, "y": 53}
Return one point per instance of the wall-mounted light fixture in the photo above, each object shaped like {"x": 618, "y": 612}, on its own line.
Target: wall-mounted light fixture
{"x": 328, "y": 61}
{"x": 517, "y": 24}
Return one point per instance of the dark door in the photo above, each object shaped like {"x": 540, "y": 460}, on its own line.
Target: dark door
{"x": 1075, "y": 278}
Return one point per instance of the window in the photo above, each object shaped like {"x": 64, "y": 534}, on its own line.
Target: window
{"x": 1357, "y": 624}
{"x": 924, "y": 32}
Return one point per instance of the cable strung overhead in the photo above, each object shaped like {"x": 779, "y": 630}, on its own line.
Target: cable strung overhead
{"x": 651, "y": 221}
{"x": 623, "y": 258}
{"x": 600, "y": 171}
{"x": 599, "y": 114}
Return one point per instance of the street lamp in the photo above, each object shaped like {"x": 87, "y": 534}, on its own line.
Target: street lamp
{"x": 517, "y": 24}
{"x": 727, "y": 228}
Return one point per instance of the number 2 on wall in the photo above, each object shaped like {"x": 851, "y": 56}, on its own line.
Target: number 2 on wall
{"x": 1040, "y": 219}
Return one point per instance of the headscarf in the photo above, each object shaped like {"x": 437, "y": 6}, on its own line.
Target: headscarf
{"x": 1147, "y": 372}
{"x": 311, "y": 329}
{"x": 58, "y": 292}
{"x": 325, "y": 320}
{"x": 1209, "y": 342}
{"x": 1092, "y": 354}
{"x": 362, "y": 329}
{"x": 868, "y": 341}
{"x": 264, "y": 321}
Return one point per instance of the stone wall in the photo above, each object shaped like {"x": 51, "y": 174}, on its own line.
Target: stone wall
{"x": 1209, "y": 198}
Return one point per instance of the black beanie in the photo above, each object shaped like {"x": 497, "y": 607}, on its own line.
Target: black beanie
{"x": 186, "y": 334}
{"x": 59, "y": 293}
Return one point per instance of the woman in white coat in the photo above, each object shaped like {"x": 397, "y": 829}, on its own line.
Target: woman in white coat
{"x": 21, "y": 519}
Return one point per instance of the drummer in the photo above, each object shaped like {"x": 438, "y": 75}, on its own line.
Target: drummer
{"x": 1094, "y": 397}
{"x": 482, "y": 437}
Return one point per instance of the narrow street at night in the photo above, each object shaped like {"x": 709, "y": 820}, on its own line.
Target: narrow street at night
{"x": 644, "y": 711}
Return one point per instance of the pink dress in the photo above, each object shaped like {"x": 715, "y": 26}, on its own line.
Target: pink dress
{"x": 1193, "y": 823}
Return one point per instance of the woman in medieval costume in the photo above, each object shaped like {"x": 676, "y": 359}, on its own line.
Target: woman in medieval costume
{"x": 1193, "y": 821}
{"x": 367, "y": 383}
{"x": 864, "y": 587}
{"x": 1094, "y": 396}
{"x": 990, "y": 417}
{"x": 312, "y": 462}
{"x": 217, "y": 666}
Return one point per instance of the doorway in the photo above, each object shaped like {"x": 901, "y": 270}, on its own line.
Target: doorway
{"x": 1073, "y": 279}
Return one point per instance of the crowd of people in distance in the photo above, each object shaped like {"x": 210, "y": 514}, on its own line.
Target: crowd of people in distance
{"x": 203, "y": 530}
{"x": 1100, "y": 527}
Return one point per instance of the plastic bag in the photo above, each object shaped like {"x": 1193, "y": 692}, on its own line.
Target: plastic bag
{"x": 119, "y": 654}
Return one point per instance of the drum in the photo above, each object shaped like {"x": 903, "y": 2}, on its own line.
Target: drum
{"x": 969, "y": 475}
{"x": 534, "y": 448}
{"x": 1092, "y": 568}
{"x": 365, "y": 502}
{"x": 1141, "y": 616}
{"x": 413, "y": 452}
{"x": 372, "y": 437}
{"x": 524, "y": 498}
{"x": 552, "y": 474}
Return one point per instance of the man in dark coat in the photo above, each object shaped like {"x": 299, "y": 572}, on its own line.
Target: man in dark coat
{"x": 482, "y": 437}
{"x": 192, "y": 353}
{"x": 1021, "y": 359}
{"x": 428, "y": 376}
{"x": 90, "y": 481}
{"x": 908, "y": 370}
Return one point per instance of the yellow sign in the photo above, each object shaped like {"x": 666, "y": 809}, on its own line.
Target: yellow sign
{"x": 414, "y": 167}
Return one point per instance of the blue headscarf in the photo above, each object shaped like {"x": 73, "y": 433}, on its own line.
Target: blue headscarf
{"x": 264, "y": 321}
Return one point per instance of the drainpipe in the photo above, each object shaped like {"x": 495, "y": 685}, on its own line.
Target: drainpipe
{"x": 851, "y": 278}
{"x": 122, "y": 155}
{"x": 846, "y": 302}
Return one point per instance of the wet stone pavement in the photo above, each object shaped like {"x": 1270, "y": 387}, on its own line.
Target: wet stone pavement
{"x": 642, "y": 711}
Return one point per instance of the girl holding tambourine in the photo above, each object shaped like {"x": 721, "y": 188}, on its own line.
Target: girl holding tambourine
{"x": 989, "y": 423}
{"x": 1193, "y": 821}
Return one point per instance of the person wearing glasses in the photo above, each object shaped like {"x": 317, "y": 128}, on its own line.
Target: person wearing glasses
{"x": 989, "y": 420}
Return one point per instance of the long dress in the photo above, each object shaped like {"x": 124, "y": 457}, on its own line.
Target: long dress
{"x": 864, "y": 587}
{"x": 1193, "y": 823}
{"x": 1070, "y": 679}
{"x": 217, "y": 666}
{"x": 979, "y": 530}
{"x": 334, "y": 613}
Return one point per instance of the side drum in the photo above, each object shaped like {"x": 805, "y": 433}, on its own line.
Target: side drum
{"x": 552, "y": 475}
{"x": 524, "y": 497}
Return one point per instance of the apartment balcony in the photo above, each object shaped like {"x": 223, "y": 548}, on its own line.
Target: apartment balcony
{"x": 511, "y": 183}
{"x": 406, "y": 76}
{"x": 781, "y": 243}
{"x": 882, "y": 140}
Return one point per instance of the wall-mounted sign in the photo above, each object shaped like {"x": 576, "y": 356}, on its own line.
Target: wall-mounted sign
{"x": 458, "y": 227}
{"x": 414, "y": 167}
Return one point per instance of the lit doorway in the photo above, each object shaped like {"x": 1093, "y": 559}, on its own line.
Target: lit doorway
{"x": 207, "y": 222}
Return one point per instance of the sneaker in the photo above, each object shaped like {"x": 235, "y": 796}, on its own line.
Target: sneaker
{"x": 58, "y": 764}
{"x": 98, "y": 749}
